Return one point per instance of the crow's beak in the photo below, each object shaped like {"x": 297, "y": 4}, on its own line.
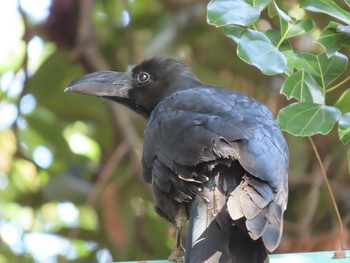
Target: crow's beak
{"x": 106, "y": 84}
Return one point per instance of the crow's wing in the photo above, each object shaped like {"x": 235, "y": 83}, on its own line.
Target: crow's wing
{"x": 204, "y": 125}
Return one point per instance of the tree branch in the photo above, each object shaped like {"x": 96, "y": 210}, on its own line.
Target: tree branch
{"x": 337, "y": 254}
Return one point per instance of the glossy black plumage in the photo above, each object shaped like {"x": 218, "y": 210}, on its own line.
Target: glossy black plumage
{"x": 212, "y": 155}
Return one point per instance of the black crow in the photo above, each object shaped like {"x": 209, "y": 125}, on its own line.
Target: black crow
{"x": 214, "y": 156}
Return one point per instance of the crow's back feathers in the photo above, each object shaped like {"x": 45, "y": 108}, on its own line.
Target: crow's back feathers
{"x": 195, "y": 130}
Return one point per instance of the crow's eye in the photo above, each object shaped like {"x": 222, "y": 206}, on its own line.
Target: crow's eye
{"x": 143, "y": 77}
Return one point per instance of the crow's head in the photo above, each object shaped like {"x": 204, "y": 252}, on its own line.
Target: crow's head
{"x": 142, "y": 88}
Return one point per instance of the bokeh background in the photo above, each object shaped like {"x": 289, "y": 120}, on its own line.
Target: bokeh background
{"x": 70, "y": 178}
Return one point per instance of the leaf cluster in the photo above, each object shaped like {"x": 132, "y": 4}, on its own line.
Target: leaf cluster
{"x": 309, "y": 77}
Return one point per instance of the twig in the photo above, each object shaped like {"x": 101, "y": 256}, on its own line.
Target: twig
{"x": 103, "y": 179}
{"x": 313, "y": 200}
{"x": 107, "y": 171}
{"x": 338, "y": 85}
{"x": 341, "y": 228}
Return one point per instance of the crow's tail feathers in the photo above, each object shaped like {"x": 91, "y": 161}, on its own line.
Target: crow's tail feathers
{"x": 243, "y": 248}
{"x": 214, "y": 239}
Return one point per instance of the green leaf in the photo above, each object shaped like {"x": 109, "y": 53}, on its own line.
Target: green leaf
{"x": 272, "y": 10}
{"x": 325, "y": 69}
{"x": 233, "y": 32}
{"x": 259, "y": 4}
{"x": 302, "y": 86}
{"x": 288, "y": 27}
{"x": 332, "y": 38}
{"x": 256, "y": 48}
{"x": 274, "y": 35}
{"x": 307, "y": 119}
{"x": 343, "y": 102}
{"x": 287, "y": 50}
{"x": 226, "y": 12}
{"x": 344, "y": 128}
{"x": 328, "y": 7}
{"x": 284, "y": 19}
{"x": 299, "y": 27}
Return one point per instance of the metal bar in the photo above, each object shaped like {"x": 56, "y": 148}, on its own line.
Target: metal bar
{"x": 309, "y": 257}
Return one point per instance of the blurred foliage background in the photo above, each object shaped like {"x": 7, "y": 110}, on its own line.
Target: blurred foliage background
{"x": 70, "y": 179}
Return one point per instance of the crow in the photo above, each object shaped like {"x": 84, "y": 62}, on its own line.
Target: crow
{"x": 214, "y": 157}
